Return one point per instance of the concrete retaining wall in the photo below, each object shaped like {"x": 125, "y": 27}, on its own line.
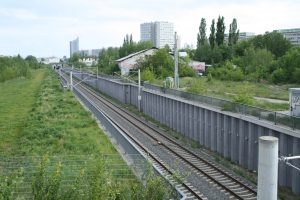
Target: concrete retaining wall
{"x": 234, "y": 136}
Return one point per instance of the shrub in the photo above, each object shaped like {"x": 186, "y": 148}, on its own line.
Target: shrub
{"x": 236, "y": 75}
{"x": 278, "y": 76}
{"x": 244, "y": 97}
{"x": 209, "y": 77}
{"x": 147, "y": 75}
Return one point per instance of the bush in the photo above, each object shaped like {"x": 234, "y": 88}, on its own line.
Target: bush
{"x": 147, "y": 75}
{"x": 209, "y": 77}
{"x": 227, "y": 73}
{"x": 185, "y": 71}
{"x": 244, "y": 97}
{"x": 236, "y": 75}
{"x": 278, "y": 76}
{"x": 296, "y": 76}
{"x": 12, "y": 67}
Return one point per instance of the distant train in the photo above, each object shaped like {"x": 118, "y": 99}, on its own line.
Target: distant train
{"x": 57, "y": 66}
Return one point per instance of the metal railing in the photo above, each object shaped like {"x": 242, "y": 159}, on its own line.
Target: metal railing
{"x": 275, "y": 117}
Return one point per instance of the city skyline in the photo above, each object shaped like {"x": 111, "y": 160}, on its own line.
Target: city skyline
{"x": 44, "y": 28}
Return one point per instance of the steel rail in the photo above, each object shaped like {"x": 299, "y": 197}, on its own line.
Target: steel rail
{"x": 113, "y": 107}
{"x": 149, "y": 153}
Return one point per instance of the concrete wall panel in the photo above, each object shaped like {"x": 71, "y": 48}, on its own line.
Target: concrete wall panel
{"x": 226, "y": 133}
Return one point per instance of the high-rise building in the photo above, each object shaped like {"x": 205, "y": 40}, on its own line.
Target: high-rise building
{"x": 245, "y": 35}
{"x": 74, "y": 46}
{"x": 89, "y": 52}
{"x": 159, "y": 33}
{"x": 293, "y": 35}
{"x": 242, "y": 36}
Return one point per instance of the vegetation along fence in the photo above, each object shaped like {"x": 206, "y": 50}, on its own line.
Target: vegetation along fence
{"x": 28, "y": 177}
{"x": 272, "y": 116}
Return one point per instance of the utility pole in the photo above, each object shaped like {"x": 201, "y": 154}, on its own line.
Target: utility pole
{"x": 176, "y": 77}
{"x": 71, "y": 78}
{"x": 139, "y": 91}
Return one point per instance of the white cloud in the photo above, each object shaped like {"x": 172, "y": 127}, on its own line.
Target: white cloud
{"x": 101, "y": 23}
{"x": 20, "y": 14}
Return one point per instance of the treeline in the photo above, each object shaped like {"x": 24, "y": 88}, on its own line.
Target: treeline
{"x": 13, "y": 67}
{"x": 108, "y": 56}
{"x": 160, "y": 65}
{"x": 268, "y": 57}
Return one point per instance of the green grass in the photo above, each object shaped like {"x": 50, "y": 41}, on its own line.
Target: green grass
{"x": 40, "y": 120}
{"x": 16, "y": 101}
{"x": 38, "y": 117}
{"x": 228, "y": 89}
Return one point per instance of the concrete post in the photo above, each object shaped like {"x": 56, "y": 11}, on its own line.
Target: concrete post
{"x": 71, "y": 80}
{"x": 139, "y": 90}
{"x": 267, "y": 168}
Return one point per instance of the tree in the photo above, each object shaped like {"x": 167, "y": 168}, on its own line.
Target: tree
{"x": 290, "y": 65}
{"x": 161, "y": 63}
{"x": 106, "y": 61}
{"x": 240, "y": 47}
{"x": 201, "y": 38}
{"x": 32, "y": 62}
{"x": 201, "y": 41}
{"x": 212, "y": 36}
{"x": 220, "y": 31}
{"x": 256, "y": 63}
{"x": 233, "y": 33}
{"x": 258, "y": 41}
{"x": 203, "y": 53}
{"x": 276, "y": 43}
{"x": 129, "y": 46}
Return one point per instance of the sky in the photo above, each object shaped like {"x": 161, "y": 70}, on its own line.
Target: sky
{"x": 44, "y": 28}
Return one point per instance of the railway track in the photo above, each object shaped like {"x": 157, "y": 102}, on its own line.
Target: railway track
{"x": 187, "y": 190}
{"x": 231, "y": 186}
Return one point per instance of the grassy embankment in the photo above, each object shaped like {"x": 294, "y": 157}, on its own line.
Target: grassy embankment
{"x": 38, "y": 118}
{"x": 229, "y": 89}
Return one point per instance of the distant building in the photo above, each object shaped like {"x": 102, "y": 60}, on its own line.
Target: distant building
{"x": 199, "y": 67}
{"x": 83, "y": 53}
{"x": 74, "y": 46}
{"x": 159, "y": 33}
{"x": 246, "y": 35}
{"x": 242, "y": 36}
{"x": 88, "y": 61}
{"x": 96, "y": 52}
{"x": 50, "y": 60}
{"x": 89, "y": 53}
{"x": 293, "y": 35}
{"x": 129, "y": 62}
{"x": 147, "y": 32}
